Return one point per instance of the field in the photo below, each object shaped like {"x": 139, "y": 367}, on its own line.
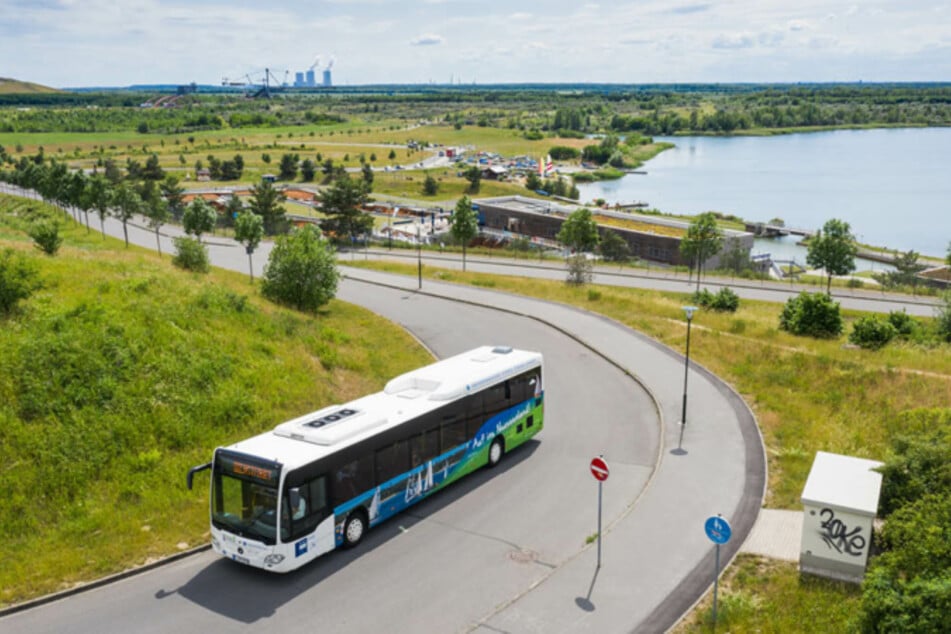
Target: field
{"x": 122, "y": 372}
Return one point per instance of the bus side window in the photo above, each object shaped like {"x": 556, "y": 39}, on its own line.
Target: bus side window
{"x": 391, "y": 461}
{"x": 496, "y": 398}
{"x": 424, "y": 447}
{"x": 352, "y": 479}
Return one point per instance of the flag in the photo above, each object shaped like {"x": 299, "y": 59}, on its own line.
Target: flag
{"x": 549, "y": 166}
{"x": 541, "y": 167}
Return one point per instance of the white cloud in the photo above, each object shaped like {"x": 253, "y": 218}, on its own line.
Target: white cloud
{"x": 427, "y": 40}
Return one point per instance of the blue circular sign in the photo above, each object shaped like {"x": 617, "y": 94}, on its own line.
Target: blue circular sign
{"x": 718, "y": 529}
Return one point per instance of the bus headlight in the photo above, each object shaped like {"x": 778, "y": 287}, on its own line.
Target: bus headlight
{"x": 273, "y": 560}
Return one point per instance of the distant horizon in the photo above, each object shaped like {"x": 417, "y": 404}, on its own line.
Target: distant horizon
{"x": 65, "y": 43}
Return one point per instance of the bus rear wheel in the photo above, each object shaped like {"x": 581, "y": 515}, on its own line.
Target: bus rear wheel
{"x": 496, "y": 449}
{"x": 354, "y": 529}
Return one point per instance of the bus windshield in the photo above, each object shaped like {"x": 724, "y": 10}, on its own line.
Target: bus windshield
{"x": 244, "y": 507}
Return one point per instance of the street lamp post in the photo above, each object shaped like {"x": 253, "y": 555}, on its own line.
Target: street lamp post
{"x": 689, "y": 311}
{"x": 419, "y": 255}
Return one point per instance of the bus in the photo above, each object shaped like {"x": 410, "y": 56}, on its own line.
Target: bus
{"x": 319, "y": 482}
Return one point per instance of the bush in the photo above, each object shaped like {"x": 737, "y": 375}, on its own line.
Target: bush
{"x": 904, "y": 324}
{"x": 563, "y": 153}
{"x": 943, "y": 320}
{"x": 301, "y": 271}
{"x": 46, "y": 237}
{"x": 872, "y": 332}
{"x": 580, "y": 270}
{"x": 725, "y": 300}
{"x": 813, "y": 315}
{"x": 18, "y": 280}
{"x": 191, "y": 255}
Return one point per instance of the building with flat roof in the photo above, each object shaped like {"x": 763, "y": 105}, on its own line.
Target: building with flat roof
{"x": 648, "y": 237}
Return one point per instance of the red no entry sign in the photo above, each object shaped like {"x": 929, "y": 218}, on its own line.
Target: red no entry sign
{"x": 599, "y": 469}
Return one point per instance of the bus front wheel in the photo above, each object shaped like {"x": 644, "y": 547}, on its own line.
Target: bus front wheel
{"x": 354, "y": 529}
{"x": 496, "y": 449}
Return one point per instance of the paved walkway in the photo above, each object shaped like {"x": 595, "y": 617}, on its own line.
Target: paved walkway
{"x": 776, "y": 534}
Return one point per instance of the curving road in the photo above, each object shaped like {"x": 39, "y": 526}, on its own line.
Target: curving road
{"x": 503, "y": 550}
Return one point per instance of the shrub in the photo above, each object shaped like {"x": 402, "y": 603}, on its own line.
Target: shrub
{"x": 563, "y": 153}
{"x": 872, "y": 332}
{"x": 191, "y": 255}
{"x": 301, "y": 271}
{"x": 580, "y": 270}
{"x": 943, "y": 320}
{"x": 18, "y": 280}
{"x": 811, "y": 314}
{"x": 46, "y": 237}
{"x": 904, "y": 324}
{"x": 725, "y": 300}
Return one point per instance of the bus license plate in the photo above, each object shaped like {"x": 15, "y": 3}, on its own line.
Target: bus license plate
{"x": 241, "y": 560}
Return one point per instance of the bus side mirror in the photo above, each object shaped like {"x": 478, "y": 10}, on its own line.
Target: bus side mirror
{"x": 193, "y": 471}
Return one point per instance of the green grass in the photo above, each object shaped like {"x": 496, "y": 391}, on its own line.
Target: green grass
{"x": 762, "y": 596}
{"x": 122, "y": 372}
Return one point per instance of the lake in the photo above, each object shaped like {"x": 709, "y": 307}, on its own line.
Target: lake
{"x": 893, "y": 186}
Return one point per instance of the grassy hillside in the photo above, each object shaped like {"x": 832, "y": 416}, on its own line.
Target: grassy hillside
{"x": 15, "y": 87}
{"x": 122, "y": 372}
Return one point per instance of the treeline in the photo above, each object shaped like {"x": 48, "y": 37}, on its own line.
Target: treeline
{"x": 192, "y": 116}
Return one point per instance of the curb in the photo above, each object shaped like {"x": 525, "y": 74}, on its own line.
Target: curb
{"x": 98, "y": 583}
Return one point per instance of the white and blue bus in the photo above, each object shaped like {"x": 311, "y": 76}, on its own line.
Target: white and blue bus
{"x": 318, "y": 482}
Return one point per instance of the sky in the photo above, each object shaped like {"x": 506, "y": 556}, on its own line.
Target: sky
{"x": 74, "y": 43}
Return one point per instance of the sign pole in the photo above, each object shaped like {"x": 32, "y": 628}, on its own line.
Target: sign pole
{"x": 600, "y": 484}
{"x": 600, "y": 471}
{"x": 719, "y": 532}
{"x": 716, "y": 583}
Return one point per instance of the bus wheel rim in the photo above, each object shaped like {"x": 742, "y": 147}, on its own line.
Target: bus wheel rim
{"x": 354, "y": 530}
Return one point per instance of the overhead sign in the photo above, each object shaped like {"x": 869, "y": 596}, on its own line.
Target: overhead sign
{"x": 717, "y": 529}
{"x": 599, "y": 469}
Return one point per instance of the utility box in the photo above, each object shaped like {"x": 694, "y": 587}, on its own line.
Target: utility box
{"x": 839, "y": 501}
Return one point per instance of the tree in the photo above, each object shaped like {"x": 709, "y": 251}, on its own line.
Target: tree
{"x": 307, "y": 170}
{"x": 301, "y": 271}
{"x": 533, "y": 182}
{"x": 392, "y": 155}
{"x": 430, "y": 186}
{"x": 100, "y": 197}
{"x": 580, "y": 270}
{"x": 464, "y": 225}
{"x": 342, "y": 202}
{"x": 288, "y": 167}
{"x": 78, "y": 194}
{"x": 614, "y": 248}
{"x": 906, "y": 270}
{"x": 579, "y": 232}
{"x": 833, "y": 249}
{"x": 474, "y": 176}
{"x": 46, "y": 238}
{"x": 199, "y": 218}
{"x": 367, "y": 173}
{"x": 248, "y": 230}
{"x": 266, "y": 202}
{"x": 157, "y": 212}
{"x": 173, "y": 193}
{"x": 127, "y": 203}
{"x": 152, "y": 170}
{"x": 702, "y": 241}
